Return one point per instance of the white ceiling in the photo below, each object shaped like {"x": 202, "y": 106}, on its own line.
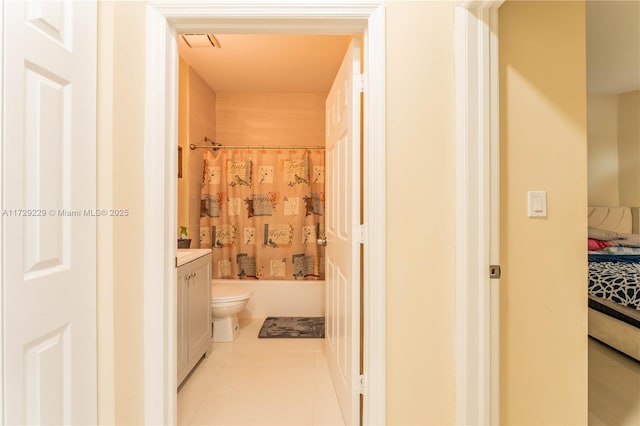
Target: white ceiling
{"x": 613, "y": 46}
{"x": 268, "y": 62}
{"x": 308, "y": 63}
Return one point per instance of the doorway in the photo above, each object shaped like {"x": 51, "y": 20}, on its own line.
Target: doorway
{"x": 613, "y": 111}
{"x": 250, "y": 93}
{"x": 163, "y": 23}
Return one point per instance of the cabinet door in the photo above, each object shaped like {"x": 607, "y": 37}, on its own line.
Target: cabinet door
{"x": 181, "y": 338}
{"x": 199, "y": 319}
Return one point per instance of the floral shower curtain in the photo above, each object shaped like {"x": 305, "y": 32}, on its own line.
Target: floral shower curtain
{"x": 262, "y": 212}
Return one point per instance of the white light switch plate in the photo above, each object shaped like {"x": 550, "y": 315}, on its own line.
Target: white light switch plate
{"x": 537, "y": 203}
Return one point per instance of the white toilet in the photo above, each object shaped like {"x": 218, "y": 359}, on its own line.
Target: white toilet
{"x": 226, "y": 302}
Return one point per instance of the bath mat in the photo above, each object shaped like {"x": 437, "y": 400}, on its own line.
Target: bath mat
{"x": 292, "y": 327}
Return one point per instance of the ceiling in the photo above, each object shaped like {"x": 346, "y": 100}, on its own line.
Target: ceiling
{"x": 268, "y": 62}
{"x": 308, "y": 63}
{"x": 613, "y": 46}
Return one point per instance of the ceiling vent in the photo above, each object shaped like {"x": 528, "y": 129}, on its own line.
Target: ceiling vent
{"x": 201, "y": 40}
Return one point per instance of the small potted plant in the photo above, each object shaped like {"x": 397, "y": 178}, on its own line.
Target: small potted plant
{"x": 184, "y": 241}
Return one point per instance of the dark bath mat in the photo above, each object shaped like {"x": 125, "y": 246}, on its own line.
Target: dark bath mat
{"x": 292, "y": 327}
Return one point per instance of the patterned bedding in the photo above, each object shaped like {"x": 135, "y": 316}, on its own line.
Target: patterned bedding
{"x": 615, "y": 278}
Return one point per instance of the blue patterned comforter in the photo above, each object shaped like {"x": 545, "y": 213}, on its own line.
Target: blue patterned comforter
{"x": 615, "y": 278}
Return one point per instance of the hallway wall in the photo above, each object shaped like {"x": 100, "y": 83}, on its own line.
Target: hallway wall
{"x": 420, "y": 210}
{"x": 543, "y": 135}
{"x": 120, "y": 174}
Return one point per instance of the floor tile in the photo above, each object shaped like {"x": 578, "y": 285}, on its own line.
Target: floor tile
{"x": 260, "y": 382}
{"x": 193, "y": 391}
{"x": 246, "y": 395}
{"x": 271, "y": 360}
{"x": 326, "y": 410}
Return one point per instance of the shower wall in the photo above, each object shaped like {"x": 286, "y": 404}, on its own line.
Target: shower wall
{"x": 270, "y": 118}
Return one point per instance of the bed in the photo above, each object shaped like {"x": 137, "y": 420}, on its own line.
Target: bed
{"x": 614, "y": 277}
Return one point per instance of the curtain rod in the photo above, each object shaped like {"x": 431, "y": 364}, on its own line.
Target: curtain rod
{"x": 216, "y": 147}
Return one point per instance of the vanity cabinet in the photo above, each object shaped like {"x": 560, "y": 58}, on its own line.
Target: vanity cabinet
{"x": 194, "y": 317}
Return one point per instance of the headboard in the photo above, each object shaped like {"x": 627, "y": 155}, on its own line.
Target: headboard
{"x": 624, "y": 220}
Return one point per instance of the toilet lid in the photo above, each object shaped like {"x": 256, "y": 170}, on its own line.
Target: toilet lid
{"x": 229, "y": 293}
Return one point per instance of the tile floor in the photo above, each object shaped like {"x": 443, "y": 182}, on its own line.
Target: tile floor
{"x": 614, "y": 387}
{"x": 260, "y": 382}
{"x": 286, "y": 382}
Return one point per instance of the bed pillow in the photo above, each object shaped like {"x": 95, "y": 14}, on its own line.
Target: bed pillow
{"x": 626, "y": 240}
{"x": 602, "y": 234}
{"x": 597, "y": 244}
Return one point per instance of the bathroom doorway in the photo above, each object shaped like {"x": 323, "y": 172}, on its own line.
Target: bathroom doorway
{"x": 232, "y": 91}
{"x": 164, "y": 21}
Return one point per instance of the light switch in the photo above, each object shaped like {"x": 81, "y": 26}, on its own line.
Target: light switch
{"x": 537, "y": 203}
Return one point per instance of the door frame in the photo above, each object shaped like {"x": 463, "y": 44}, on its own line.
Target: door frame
{"x": 2, "y": 142}
{"x": 477, "y": 332}
{"x": 163, "y": 20}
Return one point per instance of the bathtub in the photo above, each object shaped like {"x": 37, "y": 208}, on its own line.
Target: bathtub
{"x": 281, "y": 298}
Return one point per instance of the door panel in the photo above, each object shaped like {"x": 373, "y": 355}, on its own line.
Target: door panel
{"x": 199, "y": 319}
{"x": 46, "y": 238}
{"x": 48, "y": 195}
{"x": 342, "y": 255}
{"x": 181, "y": 339}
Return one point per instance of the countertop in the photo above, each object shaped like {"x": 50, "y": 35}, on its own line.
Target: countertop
{"x": 187, "y": 255}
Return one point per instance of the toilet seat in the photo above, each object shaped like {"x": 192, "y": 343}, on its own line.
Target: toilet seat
{"x": 229, "y": 293}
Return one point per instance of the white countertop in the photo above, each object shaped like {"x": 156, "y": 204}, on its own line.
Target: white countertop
{"x": 187, "y": 255}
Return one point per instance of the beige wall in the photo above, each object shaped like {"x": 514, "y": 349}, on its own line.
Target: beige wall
{"x": 543, "y": 147}
{"x": 295, "y": 119}
{"x": 602, "y": 136}
{"x": 629, "y": 147}
{"x": 196, "y": 120}
{"x": 420, "y": 213}
{"x": 614, "y": 149}
{"x": 183, "y": 143}
{"x": 120, "y": 185}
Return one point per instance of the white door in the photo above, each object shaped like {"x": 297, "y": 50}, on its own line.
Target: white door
{"x": 48, "y": 193}
{"x": 342, "y": 224}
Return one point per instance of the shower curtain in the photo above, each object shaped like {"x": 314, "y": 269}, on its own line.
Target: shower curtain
{"x": 262, "y": 212}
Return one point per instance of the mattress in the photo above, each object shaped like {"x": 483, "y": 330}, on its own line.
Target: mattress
{"x": 615, "y": 278}
{"x": 621, "y": 313}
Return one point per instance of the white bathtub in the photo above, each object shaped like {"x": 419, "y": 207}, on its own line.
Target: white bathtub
{"x": 281, "y": 298}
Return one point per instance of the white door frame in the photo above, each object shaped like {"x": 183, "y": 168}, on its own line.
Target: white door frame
{"x": 164, "y": 19}
{"x": 477, "y": 213}
{"x": 2, "y": 206}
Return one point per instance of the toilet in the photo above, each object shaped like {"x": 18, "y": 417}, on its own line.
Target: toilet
{"x": 226, "y": 302}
